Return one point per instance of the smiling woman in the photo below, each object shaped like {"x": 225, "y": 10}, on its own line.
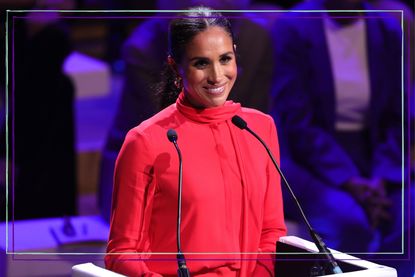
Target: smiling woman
{"x": 231, "y": 209}
{"x": 202, "y": 57}
{"x": 209, "y": 68}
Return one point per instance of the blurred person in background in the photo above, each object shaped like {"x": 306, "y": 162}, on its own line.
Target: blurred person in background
{"x": 42, "y": 117}
{"x": 337, "y": 104}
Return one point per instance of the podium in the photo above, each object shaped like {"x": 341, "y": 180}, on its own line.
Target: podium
{"x": 297, "y": 257}
{"x": 91, "y": 270}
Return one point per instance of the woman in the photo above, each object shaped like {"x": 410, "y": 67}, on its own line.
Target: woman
{"x": 231, "y": 203}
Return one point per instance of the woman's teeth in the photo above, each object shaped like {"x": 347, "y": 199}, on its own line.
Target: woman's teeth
{"x": 215, "y": 90}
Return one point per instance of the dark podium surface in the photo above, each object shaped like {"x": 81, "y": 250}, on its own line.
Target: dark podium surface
{"x": 300, "y": 258}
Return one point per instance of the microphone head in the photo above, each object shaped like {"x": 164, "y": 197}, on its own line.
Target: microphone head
{"x": 172, "y": 135}
{"x": 239, "y": 122}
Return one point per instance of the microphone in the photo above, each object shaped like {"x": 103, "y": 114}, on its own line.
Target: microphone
{"x": 318, "y": 241}
{"x": 182, "y": 271}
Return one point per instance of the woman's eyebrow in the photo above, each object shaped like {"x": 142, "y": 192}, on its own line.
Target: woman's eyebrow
{"x": 198, "y": 58}
{"x": 227, "y": 53}
{"x": 205, "y": 58}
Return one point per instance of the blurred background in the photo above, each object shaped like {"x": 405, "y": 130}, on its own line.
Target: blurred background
{"x": 69, "y": 71}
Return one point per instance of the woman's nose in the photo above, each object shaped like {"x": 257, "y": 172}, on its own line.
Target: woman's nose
{"x": 215, "y": 74}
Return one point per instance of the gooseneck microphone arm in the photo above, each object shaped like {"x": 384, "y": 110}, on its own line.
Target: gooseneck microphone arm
{"x": 182, "y": 271}
{"x": 241, "y": 124}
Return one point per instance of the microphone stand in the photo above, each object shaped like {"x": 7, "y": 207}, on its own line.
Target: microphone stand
{"x": 318, "y": 241}
{"x": 182, "y": 270}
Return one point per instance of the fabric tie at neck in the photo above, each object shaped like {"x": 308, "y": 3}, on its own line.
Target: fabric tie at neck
{"x": 207, "y": 115}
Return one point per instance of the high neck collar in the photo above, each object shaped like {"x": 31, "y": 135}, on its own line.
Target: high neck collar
{"x": 207, "y": 115}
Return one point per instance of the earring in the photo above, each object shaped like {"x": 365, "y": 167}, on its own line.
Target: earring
{"x": 178, "y": 82}
{"x": 170, "y": 60}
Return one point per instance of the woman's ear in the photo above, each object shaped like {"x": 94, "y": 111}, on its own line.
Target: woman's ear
{"x": 172, "y": 63}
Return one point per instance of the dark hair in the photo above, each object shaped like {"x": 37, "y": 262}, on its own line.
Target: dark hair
{"x": 181, "y": 31}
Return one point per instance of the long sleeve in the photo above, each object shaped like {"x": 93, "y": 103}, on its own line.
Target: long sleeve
{"x": 131, "y": 208}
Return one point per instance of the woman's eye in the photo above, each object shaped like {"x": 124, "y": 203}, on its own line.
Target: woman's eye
{"x": 225, "y": 60}
{"x": 201, "y": 64}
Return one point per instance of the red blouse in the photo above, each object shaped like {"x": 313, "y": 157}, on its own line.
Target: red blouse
{"x": 232, "y": 212}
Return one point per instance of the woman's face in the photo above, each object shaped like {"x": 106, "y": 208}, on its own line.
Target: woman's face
{"x": 209, "y": 68}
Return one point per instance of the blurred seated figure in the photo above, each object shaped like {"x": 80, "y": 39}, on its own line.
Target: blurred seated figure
{"x": 409, "y": 52}
{"x": 337, "y": 104}
{"x": 144, "y": 56}
{"x": 42, "y": 124}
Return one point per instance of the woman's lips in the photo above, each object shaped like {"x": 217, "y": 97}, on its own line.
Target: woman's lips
{"x": 215, "y": 90}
